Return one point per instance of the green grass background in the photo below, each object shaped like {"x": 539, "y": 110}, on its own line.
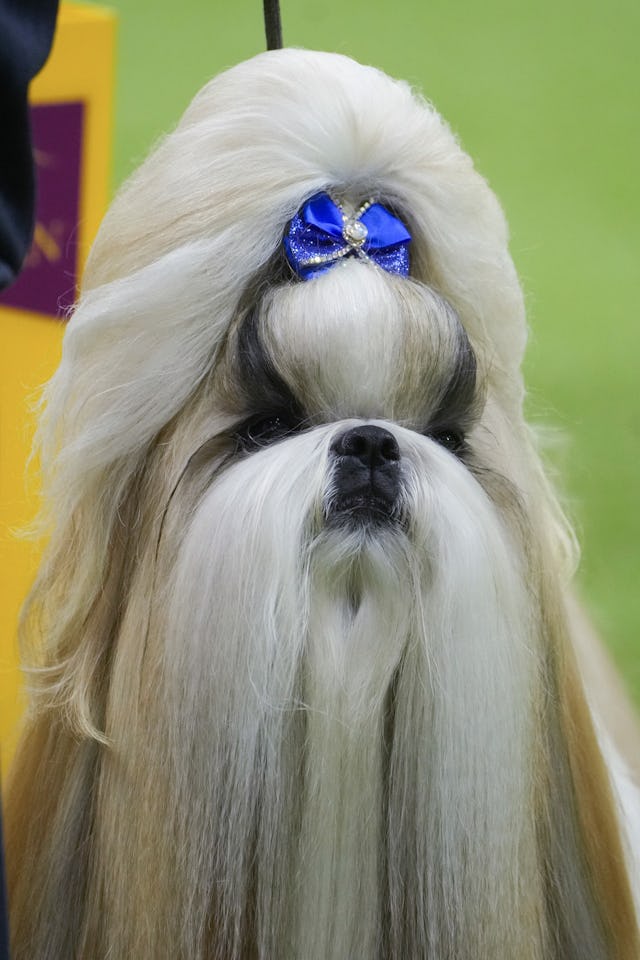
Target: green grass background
{"x": 545, "y": 97}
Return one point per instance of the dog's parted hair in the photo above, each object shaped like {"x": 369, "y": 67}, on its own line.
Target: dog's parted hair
{"x": 257, "y": 731}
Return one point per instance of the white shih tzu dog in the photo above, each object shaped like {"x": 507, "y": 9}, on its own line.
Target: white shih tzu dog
{"x": 304, "y": 680}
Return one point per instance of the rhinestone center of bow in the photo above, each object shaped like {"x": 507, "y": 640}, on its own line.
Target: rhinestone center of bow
{"x": 355, "y": 232}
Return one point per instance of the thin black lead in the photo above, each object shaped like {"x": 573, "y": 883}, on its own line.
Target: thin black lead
{"x": 272, "y": 24}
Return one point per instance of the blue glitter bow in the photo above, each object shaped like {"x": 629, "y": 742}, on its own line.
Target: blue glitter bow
{"x": 322, "y": 233}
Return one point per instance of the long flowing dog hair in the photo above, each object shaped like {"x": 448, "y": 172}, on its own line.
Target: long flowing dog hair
{"x": 255, "y": 733}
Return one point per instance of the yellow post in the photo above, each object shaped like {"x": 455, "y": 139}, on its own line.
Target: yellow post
{"x": 71, "y": 102}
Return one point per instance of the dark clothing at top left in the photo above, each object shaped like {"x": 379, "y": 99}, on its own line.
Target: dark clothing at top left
{"x": 26, "y": 34}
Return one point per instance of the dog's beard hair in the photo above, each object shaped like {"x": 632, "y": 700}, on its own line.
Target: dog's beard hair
{"x": 439, "y": 639}
{"x": 324, "y": 689}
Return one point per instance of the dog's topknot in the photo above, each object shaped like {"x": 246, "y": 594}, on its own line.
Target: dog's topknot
{"x": 263, "y": 136}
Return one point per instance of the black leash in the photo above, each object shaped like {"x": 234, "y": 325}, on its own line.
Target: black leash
{"x": 272, "y": 24}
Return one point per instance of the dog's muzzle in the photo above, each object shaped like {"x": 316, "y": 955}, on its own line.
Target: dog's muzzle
{"x": 366, "y": 476}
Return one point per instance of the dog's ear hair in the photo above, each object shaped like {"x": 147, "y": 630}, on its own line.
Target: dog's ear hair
{"x": 591, "y": 912}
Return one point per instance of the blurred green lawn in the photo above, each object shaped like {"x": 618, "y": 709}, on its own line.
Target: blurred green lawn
{"x": 545, "y": 98}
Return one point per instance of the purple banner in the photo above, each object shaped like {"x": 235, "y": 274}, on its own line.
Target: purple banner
{"x": 49, "y": 278}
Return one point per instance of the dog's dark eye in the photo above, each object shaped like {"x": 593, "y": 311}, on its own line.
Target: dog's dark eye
{"x": 451, "y": 439}
{"x": 260, "y": 432}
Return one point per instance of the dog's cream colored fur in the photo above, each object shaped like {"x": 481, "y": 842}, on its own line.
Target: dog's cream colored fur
{"x": 252, "y": 733}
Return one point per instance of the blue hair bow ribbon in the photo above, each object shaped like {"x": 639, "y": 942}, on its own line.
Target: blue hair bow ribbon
{"x": 322, "y": 233}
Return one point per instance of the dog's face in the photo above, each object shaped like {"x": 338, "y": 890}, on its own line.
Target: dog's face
{"x": 306, "y": 573}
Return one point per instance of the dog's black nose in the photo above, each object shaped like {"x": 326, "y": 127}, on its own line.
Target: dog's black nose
{"x": 366, "y": 476}
{"x": 372, "y": 446}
